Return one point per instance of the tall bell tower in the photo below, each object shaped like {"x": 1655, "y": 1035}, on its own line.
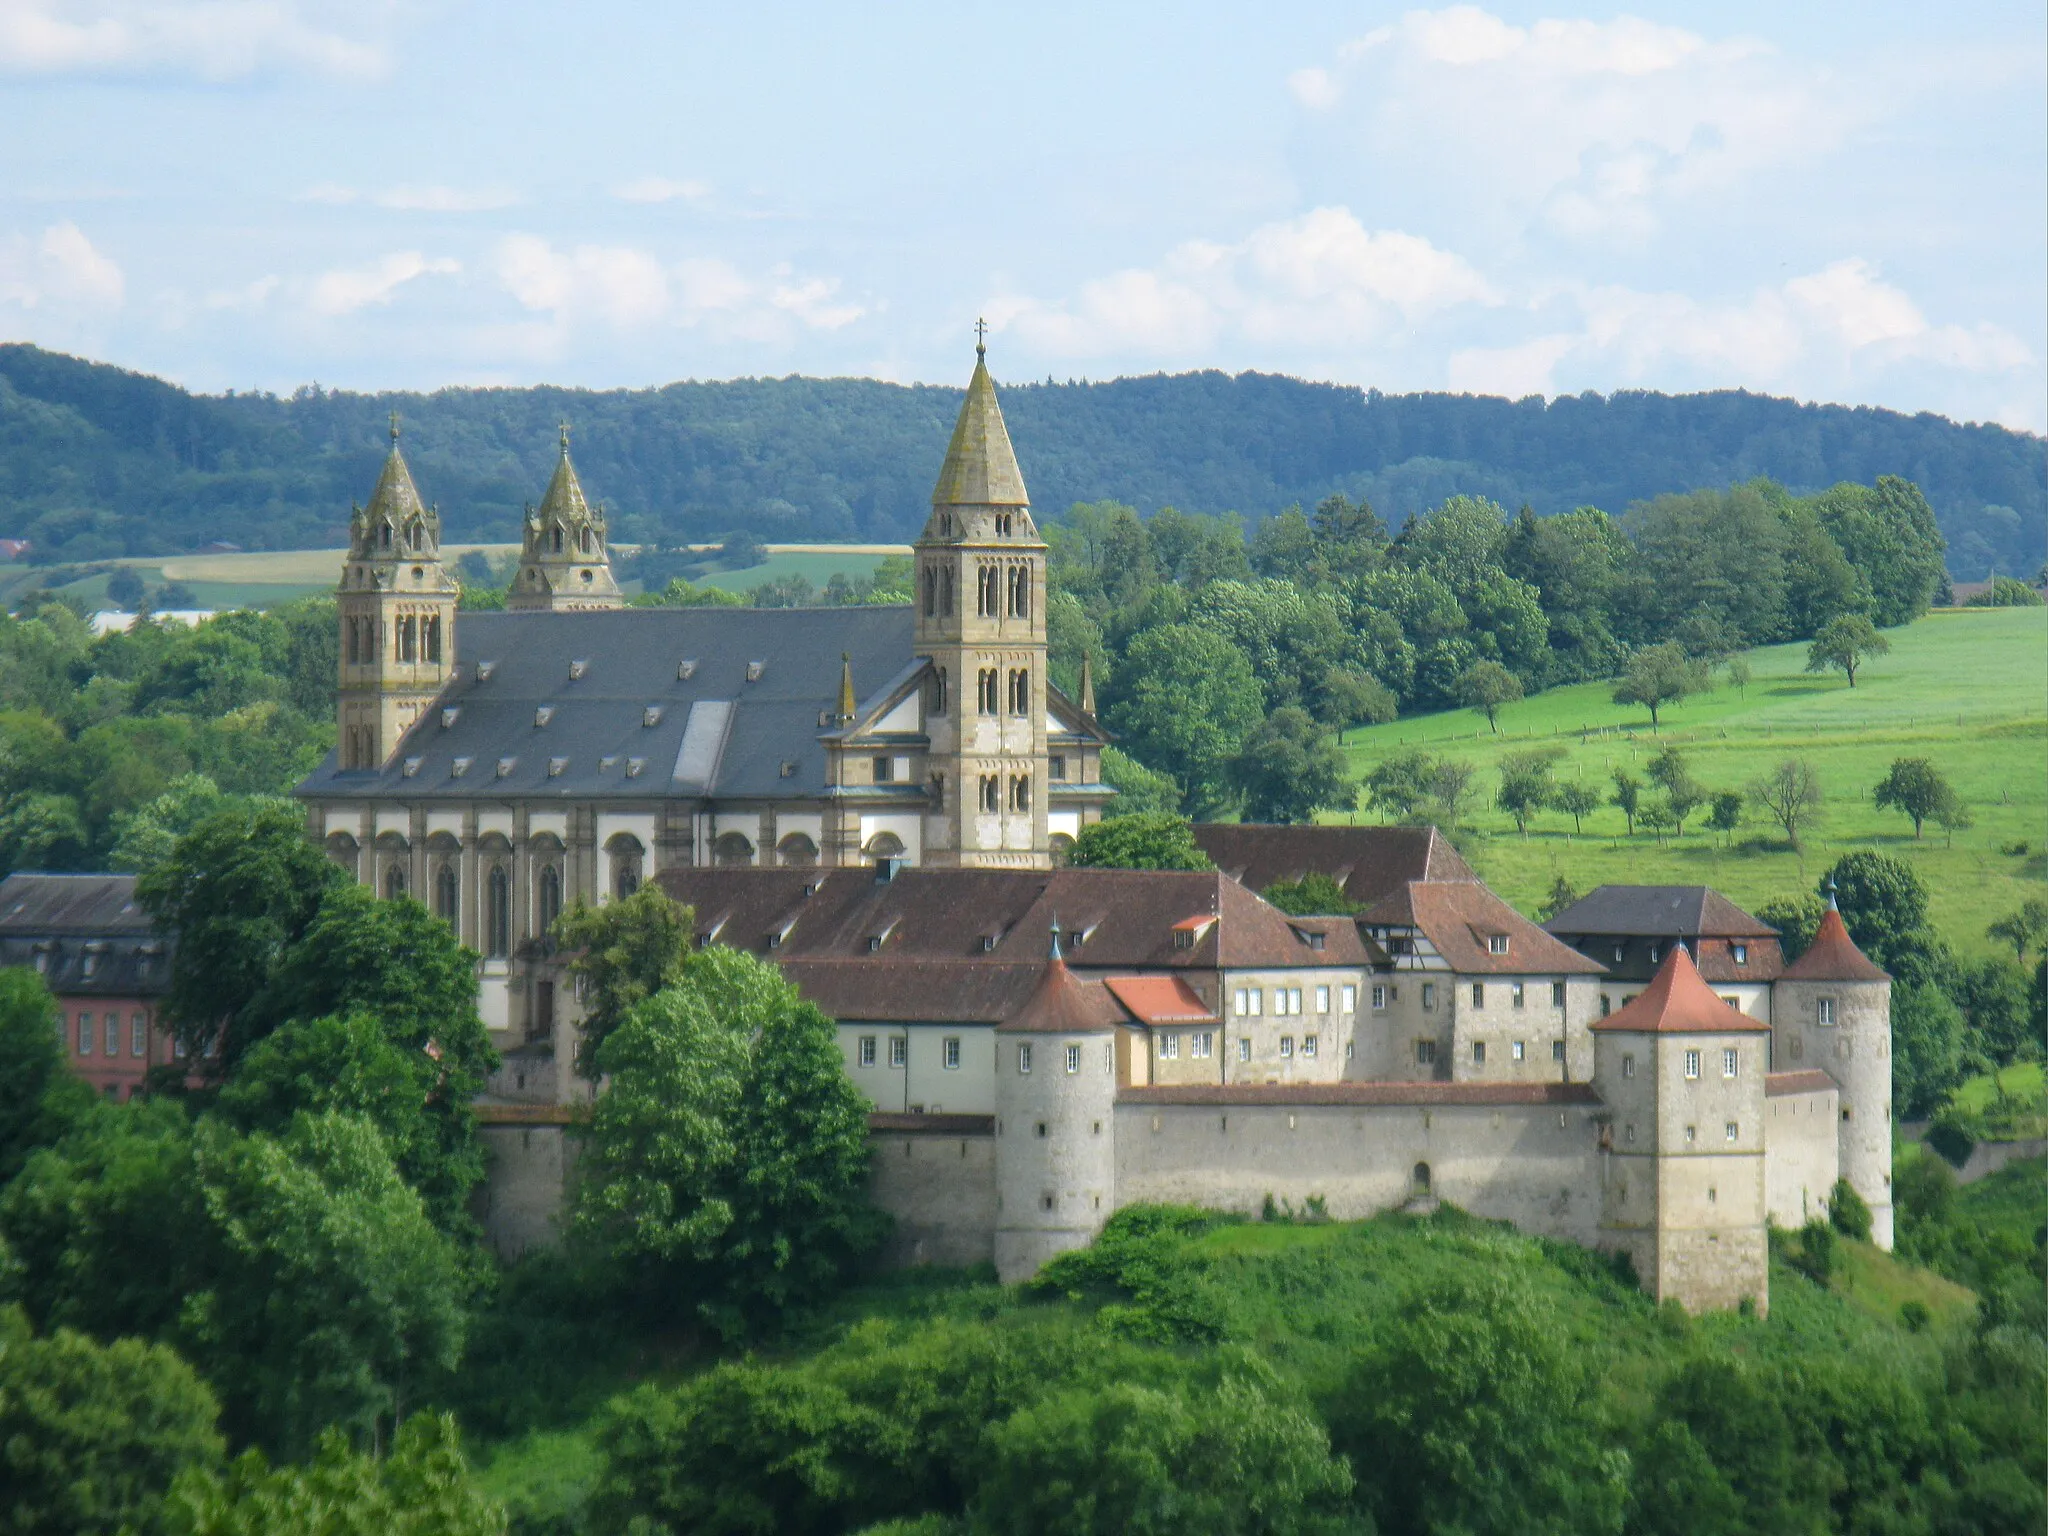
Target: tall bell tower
{"x": 565, "y": 559}
{"x": 397, "y": 605}
{"x": 981, "y": 621}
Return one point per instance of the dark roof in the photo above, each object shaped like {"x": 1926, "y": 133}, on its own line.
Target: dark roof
{"x": 1638, "y": 956}
{"x": 874, "y": 990}
{"x": 944, "y": 1123}
{"x": 1459, "y": 917}
{"x": 1679, "y": 1002}
{"x": 1658, "y": 911}
{"x": 1254, "y": 1094}
{"x": 85, "y": 934}
{"x": 1113, "y": 919}
{"x": 717, "y": 733}
{"x": 1368, "y": 862}
{"x": 1778, "y": 1084}
{"x": 1833, "y": 956}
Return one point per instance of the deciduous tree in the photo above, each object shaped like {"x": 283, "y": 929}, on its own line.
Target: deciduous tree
{"x": 1577, "y": 801}
{"x": 1151, "y": 840}
{"x": 1288, "y": 769}
{"x": 1791, "y": 793}
{"x": 625, "y": 952}
{"x": 1915, "y": 787}
{"x": 1628, "y": 797}
{"x": 1659, "y": 676}
{"x": 1525, "y": 784}
{"x": 2025, "y": 929}
{"x": 1843, "y": 644}
{"x": 1486, "y": 686}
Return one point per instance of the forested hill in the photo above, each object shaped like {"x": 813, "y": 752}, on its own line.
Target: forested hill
{"x": 96, "y": 461}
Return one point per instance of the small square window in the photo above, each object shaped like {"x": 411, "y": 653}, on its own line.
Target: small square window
{"x": 867, "y": 1050}
{"x": 1244, "y": 1049}
{"x": 1740, "y": 953}
{"x": 1379, "y": 999}
{"x": 1732, "y": 1131}
{"x": 885, "y": 770}
{"x": 1425, "y": 1053}
{"x": 1478, "y": 1053}
{"x": 1824, "y": 1010}
{"x": 899, "y": 1050}
{"x": 1516, "y": 995}
{"x": 1692, "y": 1064}
{"x": 1308, "y": 1045}
{"x": 1286, "y": 1047}
{"x": 1691, "y": 1135}
{"x": 949, "y": 1053}
{"x": 1515, "y": 1051}
{"x": 1073, "y": 1058}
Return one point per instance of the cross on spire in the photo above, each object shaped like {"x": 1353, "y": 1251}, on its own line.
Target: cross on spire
{"x": 394, "y": 429}
{"x": 564, "y": 426}
{"x": 980, "y": 338}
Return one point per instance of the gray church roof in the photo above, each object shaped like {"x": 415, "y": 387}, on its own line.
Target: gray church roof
{"x": 635, "y": 703}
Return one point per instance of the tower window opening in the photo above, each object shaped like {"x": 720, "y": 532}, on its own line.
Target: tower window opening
{"x": 1020, "y": 690}
{"x": 383, "y": 535}
{"x": 991, "y": 792}
{"x": 447, "y": 894}
{"x": 498, "y": 913}
{"x": 1020, "y": 792}
{"x": 985, "y": 600}
{"x": 986, "y": 685}
{"x": 555, "y": 542}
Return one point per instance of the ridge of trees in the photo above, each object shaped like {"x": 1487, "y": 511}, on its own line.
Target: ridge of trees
{"x": 103, "y": 462}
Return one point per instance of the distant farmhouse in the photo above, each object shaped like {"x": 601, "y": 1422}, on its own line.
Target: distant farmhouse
{"x": 879, "y": 799}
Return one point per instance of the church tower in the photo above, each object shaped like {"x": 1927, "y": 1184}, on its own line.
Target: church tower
{"x": 564, "y": 564}
{"x": 397, "y": 605}
{"x": 980, "y": 621}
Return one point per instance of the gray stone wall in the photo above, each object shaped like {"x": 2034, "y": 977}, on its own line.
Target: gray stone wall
{"x": 1856, "y": 1051}
{"x": 941, "y": 1189}
{"x": 523, "y": 1201}
{"x": 1801, "y": 1164}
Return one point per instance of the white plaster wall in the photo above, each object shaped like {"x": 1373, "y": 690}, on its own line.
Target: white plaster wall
{"x": 1055, "y": 1190}
{"x": 556, "y": 822}
{"x": 908, "y": 827}
{"x": 924, "y": 1079}
{"x": 397, "y": 819}
{"x": 444, "y": 821}
{"x": 1266, "y": 1029}
{"x": 1068, "y": 822}
{"x": 904, "y": 717}
{"x": 641, "y": 825}
{"x": 494, "y": 1000}
{"x": 1801, "y": 1161}
{"x": 498, "y": 821}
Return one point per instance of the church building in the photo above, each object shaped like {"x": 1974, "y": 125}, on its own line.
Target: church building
{"x": 501, "y": 765}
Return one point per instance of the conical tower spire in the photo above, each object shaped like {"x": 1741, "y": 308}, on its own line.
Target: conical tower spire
{"x": 848, "y": 705}
{"x": 565, "y": 563}
{"x": 981, "y": 466}
{"x": 1087, "y": 685}
{"x": 395, "y": 524}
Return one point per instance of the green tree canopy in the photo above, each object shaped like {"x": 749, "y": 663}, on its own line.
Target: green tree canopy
{"x": 1486, "y": 686}
{"x": 1139, "y": 791}
{"x": 1843, "y": 644}
{"x": 1526, "y": 786}
{"x": 1185, "y": 699}
{"x": 1315, "y": 894}
{"x": 1659, "y": 676}
{"x": 39, "y": 1097}
{"x": 626, "y": 951}
{"x": 1288, "y": 769}
{"x": 1149, "y": 840}
{"x": 1914, "y": 787}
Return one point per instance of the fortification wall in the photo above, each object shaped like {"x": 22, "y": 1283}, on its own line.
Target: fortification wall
{"x": 938, "y": 1179}
{"x": 1534, "y": 1164}
{"x": 523, "y": 1201}
{"x": 1801, "y": 1152}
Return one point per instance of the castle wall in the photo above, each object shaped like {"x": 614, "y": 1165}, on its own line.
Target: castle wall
{"x": 1856, "y": 1051}
{"x": 524, "y": 1199}
{"x": 938, "y": 1180}
{"x": 1801, "y": 1160}
{"x": 1533, "y": 1165}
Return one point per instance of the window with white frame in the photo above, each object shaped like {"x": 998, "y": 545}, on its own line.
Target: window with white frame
{"x": 1515, "y": 1051}
{"x": 1308, "y": 1045}
{"x": 1073, "y": 1058}
{"x": 1024, "y": 1058}
{"x": 138, "y": 1032}
{"x": 1168, "y": 1047}
{"x": 899, "y": 1050}
{"x": 1728, "y": 1062}
{"x": 1322, "y": 999}
{"x": 1286, "y": 1047}
{"x": 867, "y": 1050}
{"x": 1496, "y": 943}
{"x": 1349, "y": 999}
{"x": 1256, "y": 998}
{"x": 85, "y": 1034}
{"x": 1824, "y": 1010}
{"x": 1201, "y": 1045}
{"x": 1732, "y": 1131}
{"x": 1240, "y": 1002}
{"x": 1516, "y": 994}
{"x": 1379, "y": 998}
{"x": 1692, "y": 1064}
{"x": 949, "y": 1053}
{"x": 1244, "y": 1049}
{"x": 1294, "y": 1000}
{"x": 1740, "y": 953}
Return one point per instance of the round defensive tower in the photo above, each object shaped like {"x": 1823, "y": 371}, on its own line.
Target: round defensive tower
{"x": 1832, "y": 1009}
{"x": 1055, "y": 1119}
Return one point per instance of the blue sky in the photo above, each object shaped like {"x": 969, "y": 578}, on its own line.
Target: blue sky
{"x": 1838, "y": 202}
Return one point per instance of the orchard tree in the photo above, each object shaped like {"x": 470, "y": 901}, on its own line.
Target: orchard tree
{"x": 1740, "y": 674}
{"x": 1578, "y": 801}
{"x": 1916, "y": 788}
{"x": 1683, "y": 793}
{"x": 2024, "y": 930}
{"x": 1399, "y": 785}
{"x": 1152, "y": 840}
{"x": 1791, "y": 793}
{"x": 1658, "y": 676}
{"x": 1485, "y": 686}
{"x": 1525, "y": 784}
{"x": 1345, "y": 698}
{"x": 1288, "y": 769}
{"x": 1726, "y": 815}
{"x": 1628, "y": 797}
{"x": 1843, "y": 644}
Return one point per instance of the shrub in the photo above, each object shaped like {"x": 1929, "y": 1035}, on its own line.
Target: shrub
{"x": 1847, "y": 1211}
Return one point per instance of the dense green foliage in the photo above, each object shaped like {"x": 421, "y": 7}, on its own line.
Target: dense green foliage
{"x": 626, "y": 951}
{"x": 39, "y": 1098}
{"x": 103, "y": 462}
{"x": 1141, "y": 840}
{"x": 727, "y": 1157}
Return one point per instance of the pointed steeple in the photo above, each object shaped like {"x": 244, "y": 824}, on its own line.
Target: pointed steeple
{"x": 981, "y": 466}
{"x": 1087, "y": 685}
{"x": 565, "y": 563}
{"x": 394, "y": 504}
{"x": 848, "y": 704}
{"x": 565, "y": 501}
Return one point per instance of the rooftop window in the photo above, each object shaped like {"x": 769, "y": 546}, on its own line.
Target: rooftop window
{"x": 1496, "y": 943}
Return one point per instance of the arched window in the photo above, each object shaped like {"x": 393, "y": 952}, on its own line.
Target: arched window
{"x": 433, "y": 647}
{"x": 626, "y": 854}
{"x": 555, "y": 540}
{"x": 1420, "y": 1178}
{"x": 935, "y": 691}
{"x": 991, "y": 792}
{"x": 1020, "y": 690}
{"x": 731, "y": 850}
{"x": 584, "y": 540}
{"x": 946, "y": 591}
{"x": 985, "y": 690}
{"x": 348, "y": 633}
{"x": 1062, "y": 848}
{"x": 1020, "y": 591}
{"x": 550, "y": 893}
{"x": 884, "y": 845}
{"x": 447, "y": 894}
{"x": 383, "y": 535}
{"x": 985, "y": 590}
{"x": 394, "y": 882}
{"x": 931, "y": 591}
{"x": 796, "y": 851}
{"x": 498, "y": 913}
{"x": 1020, "y": 792}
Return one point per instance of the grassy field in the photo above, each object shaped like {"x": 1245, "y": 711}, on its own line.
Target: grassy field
{"x": 1967, "y": 689}
{"x": 815, "y": 565}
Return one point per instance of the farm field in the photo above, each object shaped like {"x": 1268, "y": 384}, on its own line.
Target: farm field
{"x": 1965, "y": 688}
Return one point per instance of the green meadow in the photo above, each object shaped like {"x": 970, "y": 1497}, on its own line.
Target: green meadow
{"x": 1966, "y": 689}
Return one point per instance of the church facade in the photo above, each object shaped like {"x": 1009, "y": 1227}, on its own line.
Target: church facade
{"x": 500, "y": 766}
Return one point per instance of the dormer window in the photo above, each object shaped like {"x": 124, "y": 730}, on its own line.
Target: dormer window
{"x": 651, "y": 715}
{"x": 412, "y": 766}
{"x": 578, "y": 667}
{"x": 1740, "y": 952}
{"x": 634, "y": 765}
{"x": 506, "y": 765}
{"x": 484, "y": 669}
{"x": 1183, "y": 938}
{"x": 462, "y": 765}
{"x": 686, "y": 669}
{"x": 1496, "y": 943}
{"x": 452, "y": 714}
{"x": 543, "y": 715}
{"x": 556, "y": 765}
{"x": 755, "y": 669}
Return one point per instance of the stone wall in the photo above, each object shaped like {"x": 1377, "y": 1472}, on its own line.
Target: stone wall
{"x": 1801, "y": 1162}
{"x": 936, "y": 1175}
{"x": 523, "y": 1201}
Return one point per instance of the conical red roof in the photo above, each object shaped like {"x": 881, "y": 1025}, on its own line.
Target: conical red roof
{"x": 1679, "y": 1002}
{"x": 1833, "y": 956}
{"x": 1064, "y": 1004}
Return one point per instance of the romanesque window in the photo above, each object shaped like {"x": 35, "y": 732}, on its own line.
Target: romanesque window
{"x": 350, "y": 643}
{"x": 931, "y": 591}
{"x": 1020, "y": 690}
{"x": 394, "y": 882}
{"x": 1003, "y": 524}
{"x": 498, "y": 913}
{"x": 550, "y": 891}
{"x": 946, "y": 592}
{"x": 1420, "y": 1178}
{"x": 447, "y": 894}
{"x": 1019, "y": 593}
{"x": 986, "y": 603}
{"x": 1020, "y": 792}
{"x": 991, "y": 792}
{"x": 433, "y": 641}
{"x": 986, "y": 685}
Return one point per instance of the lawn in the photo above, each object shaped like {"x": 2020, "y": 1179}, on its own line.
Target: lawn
{"x": 1967, "y": 689}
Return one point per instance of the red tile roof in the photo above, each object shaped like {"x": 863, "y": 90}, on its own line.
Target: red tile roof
{"x": 1459, "y": 917}
{"x": 1833, "y": 956}
{"x": 1778, "y": 1084}
{"x": 1252, "y": 1095}
{"x": 1159, "y": 999}
{"x": 1679, "y": 1002}
{"x": 1064, "y": 1004}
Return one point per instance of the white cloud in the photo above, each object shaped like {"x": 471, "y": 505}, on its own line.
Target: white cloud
{"x": 1314, "y": 281}
{"x": 660, "y": 189}
{"x": 249, "y": 296}
{"x": 1587, "y": 127}
{"x": 58, "y": 270}
{"x": 347, "y": 290}
{"x": 626, "y": 288}
{"x": 211, "y": 39}
{"x": 412, "y": 199}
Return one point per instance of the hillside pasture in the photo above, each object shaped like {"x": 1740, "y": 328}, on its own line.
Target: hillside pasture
{"x": 1965, "y": 688}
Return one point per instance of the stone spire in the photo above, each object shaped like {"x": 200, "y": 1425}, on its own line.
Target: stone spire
{"x": 396, "y": 525}
{"x": 1087, "y": 685}
{"x": 981, "y": 466}
{"x": 565, "y": 563}
{"x": 848, "y": 704}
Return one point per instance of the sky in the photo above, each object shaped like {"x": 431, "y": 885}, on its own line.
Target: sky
{"x": 1841, "y": 202}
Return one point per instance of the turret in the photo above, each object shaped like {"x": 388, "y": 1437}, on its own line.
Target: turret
{"x": 1832, "y": 1009}
{"x": 564, "y": 560}
{"x": 980, "y": 620}
{"x": 1682, "y": 1160}
{"x": 1055, "y": 1119}
{"x": 397, "y": 607}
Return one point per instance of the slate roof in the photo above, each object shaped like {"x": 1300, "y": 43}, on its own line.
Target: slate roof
{"x": 1111, "y": 919}
{"x": 1679, "y": 1002}
{"x": 67, "y": 921}
{"x": 981, "y": 467}
{"x": 1658, "y": 911}
{"x": 714, "y": 732}
{"x": 1459, "y": 917}
{"x": 1833, "y": 956}
{"x": 1368, "y": 862}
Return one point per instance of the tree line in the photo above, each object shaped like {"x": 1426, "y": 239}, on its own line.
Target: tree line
{"x": 101, "y": 462}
